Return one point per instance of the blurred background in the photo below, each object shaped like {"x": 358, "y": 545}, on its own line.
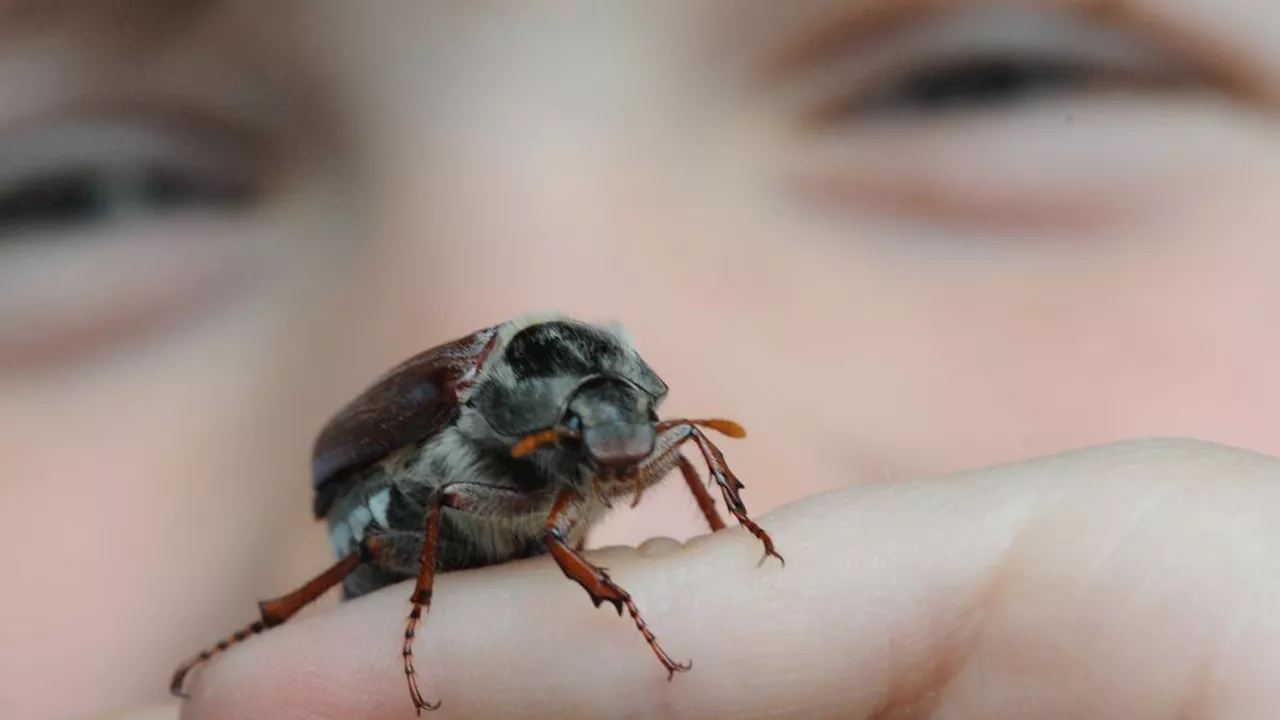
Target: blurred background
{"x": 890, "y": 238}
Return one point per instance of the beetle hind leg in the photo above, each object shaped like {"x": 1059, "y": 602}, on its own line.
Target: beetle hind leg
{"x": 277, "y": 611}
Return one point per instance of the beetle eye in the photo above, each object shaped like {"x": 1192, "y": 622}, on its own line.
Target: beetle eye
{"x": 571, "y": 421}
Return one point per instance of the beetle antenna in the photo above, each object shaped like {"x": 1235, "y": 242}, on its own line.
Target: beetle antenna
{"x": 533, "y": 441}
{"x": 728, "y": 428}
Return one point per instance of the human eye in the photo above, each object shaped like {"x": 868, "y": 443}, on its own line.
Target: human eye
{"x": 1004, "y": 116}
{"x": 114, "y": 223}
{"x": 996, "y": 59}
{"x": 85, "y": 172}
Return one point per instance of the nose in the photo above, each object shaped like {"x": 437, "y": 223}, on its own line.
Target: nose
{"x": 619, "y": 443}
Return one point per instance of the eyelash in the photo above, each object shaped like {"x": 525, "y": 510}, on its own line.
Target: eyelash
{"x": 78, "y": 196}
{"x": 990, "y": 59}
{"x": 92, "y": 169}
{"x": 980, "y": 80}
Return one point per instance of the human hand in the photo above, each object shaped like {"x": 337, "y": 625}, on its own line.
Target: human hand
{"x": 1134, "y": 580}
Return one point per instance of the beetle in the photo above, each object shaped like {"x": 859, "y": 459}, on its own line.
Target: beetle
{"x": 508, "y": 443}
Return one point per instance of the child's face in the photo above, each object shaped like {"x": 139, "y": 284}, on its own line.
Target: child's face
{"x": 888, "y": 241}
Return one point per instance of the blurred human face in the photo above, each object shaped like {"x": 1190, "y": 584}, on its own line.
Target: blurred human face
{"x": 889, "y": 238}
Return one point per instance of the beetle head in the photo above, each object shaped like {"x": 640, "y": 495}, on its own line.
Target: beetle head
{"x": 568, "y": 379}
{"x": 613, "y": 419}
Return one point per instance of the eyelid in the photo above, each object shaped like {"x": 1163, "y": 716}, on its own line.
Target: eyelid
{"x": 106, "y": 164}
{"x": 1045, "y": 36}
{"x": 1143, "y": 39}
{"x": 125, "y": 137}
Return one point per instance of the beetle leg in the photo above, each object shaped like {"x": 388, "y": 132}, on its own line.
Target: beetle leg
{"x": 595, "y": 580}
{"x": 451, "y": 495}
{"x": 729, "y": 483}
{"x": 706, "y": 503}
{"x": 729, "y": 487}
{"x": 278, "y": 610}
{"x": 422, "y": 592}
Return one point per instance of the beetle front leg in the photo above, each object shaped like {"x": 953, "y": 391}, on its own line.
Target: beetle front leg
{"x": 706, "y": 503}
{"x": 599, "y": 586}
{"x": 729, "y": 487}
{"x": 685, "y": 430}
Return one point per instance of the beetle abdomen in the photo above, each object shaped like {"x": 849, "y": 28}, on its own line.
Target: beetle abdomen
{"x": 360, "y": 511}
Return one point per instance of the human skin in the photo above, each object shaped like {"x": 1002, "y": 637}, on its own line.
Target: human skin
{"x": 1135, "y": 580}
{"x": 876, "y": 293}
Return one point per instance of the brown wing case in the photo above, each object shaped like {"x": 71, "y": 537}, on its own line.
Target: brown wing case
{"x": 408, "y": 404}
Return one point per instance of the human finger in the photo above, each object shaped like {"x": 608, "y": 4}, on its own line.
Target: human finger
{"x": 1133, "y": 580}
